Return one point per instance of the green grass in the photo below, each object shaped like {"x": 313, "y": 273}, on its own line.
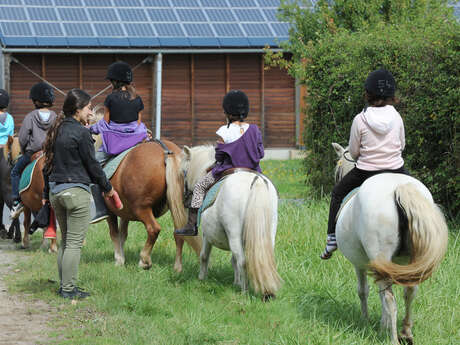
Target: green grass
{"x": 317, "y": 304}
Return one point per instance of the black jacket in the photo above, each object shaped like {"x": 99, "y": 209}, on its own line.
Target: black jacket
{"x": 74, "y": 158}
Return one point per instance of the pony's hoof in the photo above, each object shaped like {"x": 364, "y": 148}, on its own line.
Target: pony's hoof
{"x": 178, "y": 268}
{"x": 144, "y": 265}
{"x": 120, "y": 263}
{"x": 267, "y": 297}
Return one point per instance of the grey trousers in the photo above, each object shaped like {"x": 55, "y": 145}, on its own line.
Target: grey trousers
{"x": 200, "y": 189}
{"x": 73, "y": 215}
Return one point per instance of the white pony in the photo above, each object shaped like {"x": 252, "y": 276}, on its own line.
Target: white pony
{"x": 243, "y": 219}
{"x": 392, "y": 217}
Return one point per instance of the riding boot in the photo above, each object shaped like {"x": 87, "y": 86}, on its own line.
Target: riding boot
{"x": 101, "y": 211}
{"x": 191, "y": 228}
{"x": 50, "y": 231}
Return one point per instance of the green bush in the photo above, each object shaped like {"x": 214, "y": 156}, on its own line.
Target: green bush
{"x": 424, "y": 57}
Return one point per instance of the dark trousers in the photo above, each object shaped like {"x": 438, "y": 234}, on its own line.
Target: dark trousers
{"x": 350, "y": 181}
{"x": 16, "y": 174}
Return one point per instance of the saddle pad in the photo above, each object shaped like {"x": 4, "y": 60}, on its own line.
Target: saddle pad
{"x": 26, "y": 176}
{"x": 347, "y": 198}
{"x": 112, "y": 165}
{"x": 209, "y": 199}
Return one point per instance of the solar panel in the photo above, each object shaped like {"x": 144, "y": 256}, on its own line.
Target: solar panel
{"x": 191, "y": 15}
{"x": 162, "y": 15}
{"x": 203, "y": 30}
{"x": 42, "y": 13}
{"x": 103, "y": 14}
{"x": 16, "y": 29}
{"x": 214, "y": 3}
{"x": 47, "y": 29}
{"x": 281, "y": 29}
{"x": 139, "y": 30}
{"x": 220, "y": 15}
{"x": 270, "y": 3}
{"x": 185, "y": 3}
{"x": 132, "y": 15}
{"x": 127, "y": 3}
{"x": 270, "y": 14}
{"x": 68, "y": 2}
{"x": 73, "y": 14}
{"x": 228, "y": 30}
{"x": 78, "y": 29}
{"x": 98, "y": 3}
{"x": 156, "y": 3}
{"x": 12, "y": 13}
{"x": 39, "y": 2}
{"x": 242, "y": 3}
{"x": 10, "y": 2}
{"x": 257, "y": 30}
{"x": 249, "y": 15}
{"x": 109, "y": 30}
{"x": 166, "y": 29}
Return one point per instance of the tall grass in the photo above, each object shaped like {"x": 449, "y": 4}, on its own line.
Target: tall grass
{"x": 317, "y": 304}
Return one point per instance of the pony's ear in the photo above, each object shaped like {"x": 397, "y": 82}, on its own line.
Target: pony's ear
{"x": 187, "y": 152}
{"x": 338, "y": 149}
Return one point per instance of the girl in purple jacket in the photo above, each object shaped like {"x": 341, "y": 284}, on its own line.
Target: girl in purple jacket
{"x": 239, "y": 145}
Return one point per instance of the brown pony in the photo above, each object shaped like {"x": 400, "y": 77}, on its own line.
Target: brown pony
{"x": 32, "y": 197}
{"x": 149, "y": 182}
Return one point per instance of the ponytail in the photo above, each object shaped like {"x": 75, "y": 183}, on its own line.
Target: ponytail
{"x": 48, "y": 146}
{"x": 118, "y": 85}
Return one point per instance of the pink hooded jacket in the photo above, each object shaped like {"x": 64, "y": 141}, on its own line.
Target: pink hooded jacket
{"x": 377, "y": 139}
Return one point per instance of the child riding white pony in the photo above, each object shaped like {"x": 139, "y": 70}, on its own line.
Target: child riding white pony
{"x": 391, "y": 218}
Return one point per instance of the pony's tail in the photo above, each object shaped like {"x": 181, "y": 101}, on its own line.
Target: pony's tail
{"x": 174, "y": 190}
{"x": 258, "y": 246}
{"x": 428, "y": 235}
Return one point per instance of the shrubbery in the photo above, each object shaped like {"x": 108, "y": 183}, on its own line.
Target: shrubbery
{"x": 424, "y": 56}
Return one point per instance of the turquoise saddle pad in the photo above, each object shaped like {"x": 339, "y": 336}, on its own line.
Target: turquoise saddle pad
{"x": 209, "y": 199}
{"x": 112, "y": 165}
{"x": 26, "y": 176}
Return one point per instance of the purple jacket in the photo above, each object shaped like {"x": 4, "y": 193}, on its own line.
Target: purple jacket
{"x": 118, "y": 137}
{"x": 246, "y": 152}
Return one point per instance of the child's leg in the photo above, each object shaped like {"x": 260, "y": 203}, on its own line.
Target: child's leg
{"x": 200, "y": 189}
{"x": 16, "y": 175}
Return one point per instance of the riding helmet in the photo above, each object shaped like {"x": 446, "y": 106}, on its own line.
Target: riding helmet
{"x": 120, "y": 71}
{"x": 381, "y": 83}
{"x": 4, "y": 99}
{"x": 42, "y": 92}
{"x": 236, "y": 103}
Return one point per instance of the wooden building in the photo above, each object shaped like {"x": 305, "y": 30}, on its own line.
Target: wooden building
{"x": 212, "y": 46}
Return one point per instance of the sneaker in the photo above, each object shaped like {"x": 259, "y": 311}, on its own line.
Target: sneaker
{"x": 76, "y": 293}
{"x": 16, "y": 209}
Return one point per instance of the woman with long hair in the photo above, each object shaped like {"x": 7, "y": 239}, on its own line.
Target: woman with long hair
{"x": 70, "y": 168}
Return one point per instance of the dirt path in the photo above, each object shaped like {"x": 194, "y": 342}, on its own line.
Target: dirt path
{"x": 22, "y": 321}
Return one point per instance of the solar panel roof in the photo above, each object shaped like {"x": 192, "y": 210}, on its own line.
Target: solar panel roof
{"x": 143, "y": 23}
{"x": 140, "y": 23}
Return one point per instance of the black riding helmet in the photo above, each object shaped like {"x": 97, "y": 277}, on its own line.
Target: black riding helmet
{"x": 120, "y": 71}
{"x": 236, "y": 104}
{"x": 380, "y": 83}
{"x": 42, "y": 92}
{"x": 4, "y": 99}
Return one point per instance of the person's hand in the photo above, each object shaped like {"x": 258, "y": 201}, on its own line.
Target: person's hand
{"x": 109, "y": 194}
{"x": 44, "y": 201}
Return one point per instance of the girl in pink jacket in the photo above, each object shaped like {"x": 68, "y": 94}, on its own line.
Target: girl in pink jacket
{"x": 376, "y": 144}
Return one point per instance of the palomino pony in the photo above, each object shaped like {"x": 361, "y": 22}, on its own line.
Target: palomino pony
{"x": 32, "y": 197}
{"x": 243, "y": 219}
{"x": 392, "y": 217}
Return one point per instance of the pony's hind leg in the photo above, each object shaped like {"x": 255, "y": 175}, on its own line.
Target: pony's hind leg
{"x": 388, "y": 321}
{"x": 406, "y": 333}
{"x": 363, "y": 291}
{"x": 204, "y": 258}
{"x": 153, "y": 230}
{"x": 236, "y": 279}
{"x": 238, "y": 253}
{"x": 25, "y": 238}
{"x": 112, "y": 220}
{"x": 179, "y": 246}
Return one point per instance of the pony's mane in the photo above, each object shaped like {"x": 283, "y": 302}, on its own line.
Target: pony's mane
{"x": 342, "y": 167}
{"x": 98, "y": 113}
{"x": 200, "y": 158}
{"x": 13, "y": 146}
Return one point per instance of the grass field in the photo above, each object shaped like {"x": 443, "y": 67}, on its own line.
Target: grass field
{"x": 317, "y": 304}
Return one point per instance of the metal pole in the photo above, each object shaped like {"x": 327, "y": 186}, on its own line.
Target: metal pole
{"x": 159, "y": 62}
{"x": 2, "y": 69}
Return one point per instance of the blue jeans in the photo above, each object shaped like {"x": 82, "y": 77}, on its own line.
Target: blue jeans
{"x": 16, "y": 174}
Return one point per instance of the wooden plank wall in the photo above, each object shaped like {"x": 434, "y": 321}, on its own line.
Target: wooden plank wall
{"x": 192, "y": 90}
